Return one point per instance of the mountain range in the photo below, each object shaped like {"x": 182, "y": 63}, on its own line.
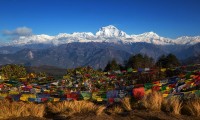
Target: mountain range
{"x": 86, "y": 49}
{"x": 105, "y": 34}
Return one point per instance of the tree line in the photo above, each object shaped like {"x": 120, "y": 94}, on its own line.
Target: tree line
{"x": 14, "y": 71}
{"x": 143, "y": 61}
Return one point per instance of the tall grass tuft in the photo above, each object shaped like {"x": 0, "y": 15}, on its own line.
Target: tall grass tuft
{"x": 20, "y": 109}
{"x": 11, "y": 110}
{"x": 58, "y": 107}
{"x": 100, "y": 110}
{"x": 192, "y": 107}
{"x": 126, "y": 104}
{"x": 152, "y": 101}
{"x": 115, "y": 109}
{"x": 36, "y": 109}
{"x": 173, "y": 105}
{"x": 74, "y": 107}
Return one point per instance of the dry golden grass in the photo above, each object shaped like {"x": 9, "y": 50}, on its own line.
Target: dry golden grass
{"x": 115, "y": 110}
{"x": 126, "y": 104}
{"x": 153, "y": 101}
{"x": 20, "y": 109}
{"x": 73, "y": 107}
{"x": 31, "y": 109}
{"x": 173, "y": 105}
{"x": 193, "y": 107}
{"x": 100, "y": 110}
{"x": 10, "y": 110}
{"x": 58, "y": 107}
{"x": 176, "y": 105}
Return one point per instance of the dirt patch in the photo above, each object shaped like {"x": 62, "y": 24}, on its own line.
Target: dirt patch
{"x": 27, "y": 118}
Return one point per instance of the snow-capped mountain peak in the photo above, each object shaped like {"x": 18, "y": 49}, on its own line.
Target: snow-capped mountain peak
{"x": 110, "y": 31}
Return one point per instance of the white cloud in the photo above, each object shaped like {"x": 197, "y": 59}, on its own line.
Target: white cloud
{"x": 20, "y": 31}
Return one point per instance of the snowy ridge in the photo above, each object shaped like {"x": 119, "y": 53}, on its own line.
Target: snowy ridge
{"x": 188, "y": 40}
{"x": 105, "y": 34}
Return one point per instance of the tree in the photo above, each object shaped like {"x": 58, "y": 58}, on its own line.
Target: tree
{"x": 168, "y": 61}
{"x": 139, "y": 61}
{"x": 148, "y": 61}
{"x": 13, "y": 71}
{"x": 112, "y": 66}
{"x": 161, "y": 62}
{"x": 108, "y": 67}
{"x": 172, "y": 61}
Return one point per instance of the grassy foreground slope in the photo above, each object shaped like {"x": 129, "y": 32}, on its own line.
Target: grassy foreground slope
{"x": 152, "y": 106}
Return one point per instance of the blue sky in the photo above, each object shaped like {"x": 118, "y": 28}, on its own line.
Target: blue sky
{"x": 168, "y": 18}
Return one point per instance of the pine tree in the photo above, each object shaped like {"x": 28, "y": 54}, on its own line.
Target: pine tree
{"x": 112, "y": 66}
{"x": 168, "y": 61}
{"x": 139, "y": 61}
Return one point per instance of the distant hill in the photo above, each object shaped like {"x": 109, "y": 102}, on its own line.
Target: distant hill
{"x": 73, "y": 55}
{"x": 49, "y": 70}
{"x": 93, "y": 54}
